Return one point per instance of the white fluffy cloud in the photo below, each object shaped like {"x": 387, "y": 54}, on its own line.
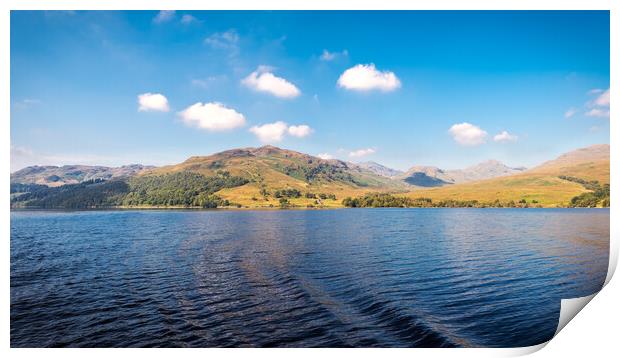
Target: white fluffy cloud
{"x": 361, "y": 152}
{"x": 275, "y": 132}
{"x": 270, "y": 132}
{"x": 505, "y": 137}
{"x": 325, "y": 156}
{"x": 299, "y": 131}
{"x": 212, "y": 116}
{"x": 152, "y": 102}
{"x": 262, "y": 80}
{"x": 164, "y": 16}
{"x": 367, "y": 78}
{"x": 468, "y": 134}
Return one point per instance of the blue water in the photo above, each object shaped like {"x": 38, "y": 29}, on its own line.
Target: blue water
{"x": 355, "y": 277}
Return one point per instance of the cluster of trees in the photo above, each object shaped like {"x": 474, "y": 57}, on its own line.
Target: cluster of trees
{"x": 598, "y": 196}
{"x": 383, "y": 200}
{"x": 88, "y": 194}
{"x": 590, "y": 185}
{"x": 287, "y": 193}
{"x": 316, "y": 172}
{"x": 26, "y": 188}
{"x": 176, "y": 189}
{"x": 180, "y": 189}
{"x": 321, "y": 196}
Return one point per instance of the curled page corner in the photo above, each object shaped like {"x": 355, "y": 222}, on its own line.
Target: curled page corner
{"x": 613, "y": 258}
{"x": 523, "y": 351}
{"x": 569, "y": 309}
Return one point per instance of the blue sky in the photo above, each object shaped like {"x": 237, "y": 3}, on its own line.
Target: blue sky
{"x": 449, "y": 89}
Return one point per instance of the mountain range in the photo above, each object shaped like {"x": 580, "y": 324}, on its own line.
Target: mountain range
{"x": 428, "y": 176}
{"x": 250, "y": 161}
{"x": 73, "y": 174}
{"x": 257, "y": 177}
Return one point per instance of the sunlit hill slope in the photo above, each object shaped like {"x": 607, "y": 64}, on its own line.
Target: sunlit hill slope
{"x": 269, "y": 169}
{"x": 541, "y": 185}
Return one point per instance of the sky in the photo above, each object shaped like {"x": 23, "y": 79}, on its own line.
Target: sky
{"x": 444, "y": 88}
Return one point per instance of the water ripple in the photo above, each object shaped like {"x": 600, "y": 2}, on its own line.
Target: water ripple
{"x": 328, "y": 278}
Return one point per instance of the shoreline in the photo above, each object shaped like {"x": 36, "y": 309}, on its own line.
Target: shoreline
{"x": 224, "y": 209}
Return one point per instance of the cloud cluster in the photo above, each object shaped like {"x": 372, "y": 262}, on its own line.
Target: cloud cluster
{"x": 361, "y": 152}
{"x": 270, "y": 132}
{"x": 212, "y": 116}
{"x": 275, "y": 132}
{"x": 367, "y": 78}
{"x": 505, "y": 137}
{"x": 149, "y": 102}
{"x": 299, "y": 131}
{"x": 215, "y": 116}
{"x": 325, "y": 156}
{"x": 468, "y": 134}
{"x": 599, "y": 107}
{"x": 262, "y": 80}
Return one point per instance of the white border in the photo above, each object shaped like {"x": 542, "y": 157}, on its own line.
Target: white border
{"x": 602, "y": 325}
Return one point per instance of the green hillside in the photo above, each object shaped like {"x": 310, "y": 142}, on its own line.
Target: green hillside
{"x": 272, "y": 177}
{"x": 270, "y": 169}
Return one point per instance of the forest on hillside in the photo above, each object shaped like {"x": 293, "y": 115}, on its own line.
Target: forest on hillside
{"x": 176, "y": 189}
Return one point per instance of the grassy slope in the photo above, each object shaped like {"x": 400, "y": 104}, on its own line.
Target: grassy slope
{"x": 265, "y": 168}
{"x": 541, "y": 183}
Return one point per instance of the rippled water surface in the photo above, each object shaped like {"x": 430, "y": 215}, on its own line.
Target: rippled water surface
{"x": 359, "y": 277}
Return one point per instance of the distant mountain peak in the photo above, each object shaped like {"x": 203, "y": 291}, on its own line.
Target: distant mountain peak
{"x": 380, "y": 169}
{"x": 426, "y": 176}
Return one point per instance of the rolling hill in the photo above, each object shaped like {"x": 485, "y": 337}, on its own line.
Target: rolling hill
{"x": 270, "y": 169}
{"x": 542, "y": 185}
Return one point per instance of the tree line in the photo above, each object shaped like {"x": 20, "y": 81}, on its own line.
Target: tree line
{"x": 384, "y": 200}
{"x": 599, "y": 195}
{"x": 176, "y": 189}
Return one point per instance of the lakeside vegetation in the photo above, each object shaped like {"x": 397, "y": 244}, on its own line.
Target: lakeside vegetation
{"x": 187, "y": 189}
{"x": 597, "y": 196}
{"x": 178, "y": 190}
{"x": 184, "y": 189}
{"x": 384, "y": 200}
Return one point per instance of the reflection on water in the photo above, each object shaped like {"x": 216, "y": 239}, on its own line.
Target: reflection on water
{"x": 361, "y": 277}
